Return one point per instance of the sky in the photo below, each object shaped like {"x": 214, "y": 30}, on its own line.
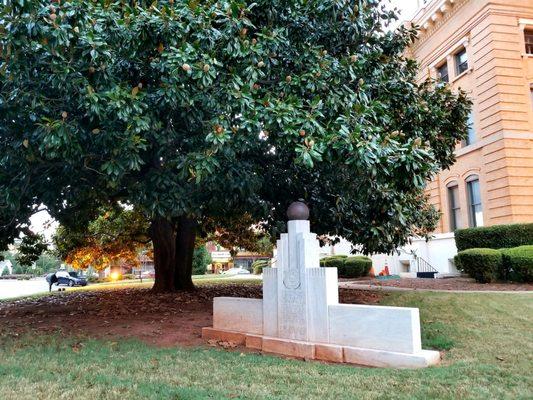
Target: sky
{"x": 407, "y": 8}
{"x": 42, "y": 222}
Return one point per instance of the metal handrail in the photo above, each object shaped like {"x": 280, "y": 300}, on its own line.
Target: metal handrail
{"x": 423, "y": 266}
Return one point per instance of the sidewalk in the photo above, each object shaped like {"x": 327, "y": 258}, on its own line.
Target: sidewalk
{"x": 372, "y": 287}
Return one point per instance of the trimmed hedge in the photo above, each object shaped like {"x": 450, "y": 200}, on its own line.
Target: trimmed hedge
{"x": 258, "y": 265}
{"x": 488, "y": 265}
{"x": 334, "y": 262}
{"x": 348, "y": 267}
{"x": 518, "y": 263}
{"x": 355, "y": 267}
{"x": 484, "y": 265}
{"x": 494, "y": 237}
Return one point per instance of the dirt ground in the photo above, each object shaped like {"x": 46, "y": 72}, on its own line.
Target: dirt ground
{"x": 441, "y": 284}
{"x": 158, "y": 319}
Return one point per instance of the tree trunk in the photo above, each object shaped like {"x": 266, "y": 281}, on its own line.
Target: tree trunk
{"x": 163, "y": 237}
{"x": 185, "y": 239}
{"x": 173, "y": 253}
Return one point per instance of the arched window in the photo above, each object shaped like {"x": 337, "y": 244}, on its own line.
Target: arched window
{"x": 454, "y": 205}
{"x": 475, "y": 209}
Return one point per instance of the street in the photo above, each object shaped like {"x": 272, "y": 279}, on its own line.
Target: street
{"x": 10, "y": 288}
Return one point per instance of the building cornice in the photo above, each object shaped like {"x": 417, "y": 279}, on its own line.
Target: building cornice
{"x": 435, "y": 14}
{"x": 461, "y": 35}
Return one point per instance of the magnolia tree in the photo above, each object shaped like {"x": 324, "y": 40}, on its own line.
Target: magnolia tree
{"x": 202, "y": 115}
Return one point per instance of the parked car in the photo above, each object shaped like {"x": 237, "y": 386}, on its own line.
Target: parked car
{"x": 236, "y": 271}
{"x": 70, "y": 278}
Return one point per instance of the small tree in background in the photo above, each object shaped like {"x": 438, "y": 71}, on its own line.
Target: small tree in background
{"x": 30, "y": 249}
{"x": 202, "y": 115}
{"x": 201, "y": 259}
{"x": 117, "y": 235}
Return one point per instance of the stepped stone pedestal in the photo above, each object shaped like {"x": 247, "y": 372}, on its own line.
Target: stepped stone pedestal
{"x": 300, "y": 315}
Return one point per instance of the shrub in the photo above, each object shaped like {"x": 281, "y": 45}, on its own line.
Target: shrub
{"x": 334, "y": 262}
{"x": 518, "y": 263}
{"x": 494, "y": 237}
{"x": 357, "y": 266}
{"x": 484, "y": 265}
{"x": 200, "y": 260}
{"x": 258, "y": 265}
{"x": 457, "y": 262}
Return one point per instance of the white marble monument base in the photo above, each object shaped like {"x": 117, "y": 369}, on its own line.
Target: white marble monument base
{"x": 377, "y": 336}
{"x": 325, "y": 351}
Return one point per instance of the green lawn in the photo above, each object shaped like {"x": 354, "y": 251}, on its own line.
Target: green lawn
{"x": 489, "y": 355}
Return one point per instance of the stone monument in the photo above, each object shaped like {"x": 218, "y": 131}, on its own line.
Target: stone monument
{"x": 300, "y": 314}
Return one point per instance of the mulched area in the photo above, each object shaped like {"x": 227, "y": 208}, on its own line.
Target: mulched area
{"x": 441, "y": 284}
{"x": 159, "y": 319}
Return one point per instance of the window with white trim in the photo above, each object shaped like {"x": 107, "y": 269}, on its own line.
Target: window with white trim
{"x": 475, "y": 208}
{"x": 454, "y": 205}
{"x": 442, "y": 73}
{"x": 461, "y": 62}
{"x": 471, "y": 137}
{"x": 528, "y": 38}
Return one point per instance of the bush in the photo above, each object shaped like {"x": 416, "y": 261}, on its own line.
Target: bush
{"x": 258, "y": 265}
{"x": 457, "y": 262}
{"x": 518, "y": 263}
{"x": 348, "y": 267}
{"x": 334, "y": 262}
{"x": 200, "y": 260}
{"x": 494, "y": 237}
{"x": 355, "y": 267}
{"x": 484, "y": 265}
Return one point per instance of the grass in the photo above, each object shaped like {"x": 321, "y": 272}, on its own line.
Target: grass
{"x": 487, "y": 337}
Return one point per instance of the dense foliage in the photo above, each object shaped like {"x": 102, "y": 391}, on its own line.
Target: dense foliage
{"x": 355, "y": 267}
{"x": 202, "y": 115}
{"x": 494, "y": 237}
{"x": 484, "y": 265}
{"x": 488, "y": 265}
{"x": 336, "y": 261}
{"x": 518, "y": 263}
{"x": 348, "y": 267}
{"x": 45, "y": 263}
{"x": 201, "y": 259}
{"x": 30, "y": 249}
{"x": 116, "y": 236}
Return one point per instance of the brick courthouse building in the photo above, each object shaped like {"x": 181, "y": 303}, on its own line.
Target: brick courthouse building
{"x": 484, "y": 47}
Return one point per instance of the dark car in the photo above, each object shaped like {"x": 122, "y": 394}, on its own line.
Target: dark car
{"x": 70, "y": 279}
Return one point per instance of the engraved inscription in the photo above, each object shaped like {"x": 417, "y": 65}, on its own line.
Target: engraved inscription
{"x": 292, "y": 321}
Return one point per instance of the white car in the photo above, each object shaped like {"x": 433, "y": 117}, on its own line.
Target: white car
{"x": 236, "y": 271}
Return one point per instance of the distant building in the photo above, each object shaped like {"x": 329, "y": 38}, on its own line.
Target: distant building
{"x": 146, "y": 268}
{"x": 222, "y": 260}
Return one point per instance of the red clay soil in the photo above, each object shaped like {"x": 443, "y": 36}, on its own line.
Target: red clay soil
{"x": 442, "y": 284}
{"x": 159, "y": 319}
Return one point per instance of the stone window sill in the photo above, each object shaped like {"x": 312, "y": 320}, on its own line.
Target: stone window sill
{"x": 468, "y": 71}
{"x": 470, "y": 148}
